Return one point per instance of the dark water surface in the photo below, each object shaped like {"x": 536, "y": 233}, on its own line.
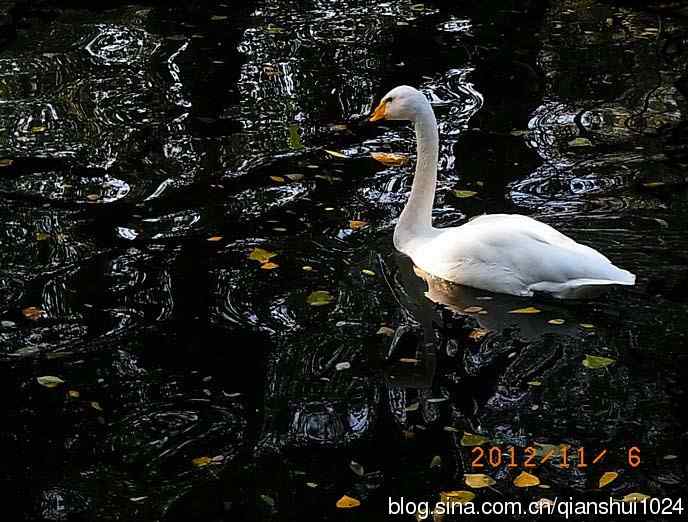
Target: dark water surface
{"x": 145, "y": 151}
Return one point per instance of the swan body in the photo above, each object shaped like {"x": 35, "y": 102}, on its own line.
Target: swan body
{"x": 502, "y": 253}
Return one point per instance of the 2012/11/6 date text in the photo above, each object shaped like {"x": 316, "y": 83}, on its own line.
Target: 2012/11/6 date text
{"x": 531, "y": 457}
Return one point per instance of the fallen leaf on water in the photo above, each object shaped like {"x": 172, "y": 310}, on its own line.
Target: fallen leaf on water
{"x": 6, "y": 162}
{"x": 92, "y": 197}
{"x": 436, "y": 462}
{"x": 412, "y": 407}
{"x": 636, "y": 497}
{"x": 261, "y": 255}
{"x": 96, "y": 406}
{"x": 587, "y": 326}
{"x": 34, "y": 313}
{"x": 311, "y": 484}
{"x": 473, "y": 309}
{"x": 274, "y": 29}
{"x": 526, "y": 480}
{"x": 357, "y": 468}
{"x": 456, "y": 497}
{"x": 471, "y": 439}
{"x": 408, "y": 360}
{"x": 38, "y": 129}
{"x": 42, "y": 236}
{"x": 556, "y": 321}
{"x": 478, "y": 480}
{"x": 607, "y": 477}
{"x": 74, "y": 394}
{"x": 464, "y": 193}
{"x": 215, "y": 238}
{"x": 294, "y": 138}
{"x": 526, "y": 310}
{"x": 307, "y": 268}
{"x": 347, "y": 502}
{"x": 595, "y": 361}
{"x": 478, "y": 333}
{"x": 217, "y": 18}
{"x": 389, "y": 159}
{"x": 277, "y": 179}
{"x": 580, "y": 142}
{"x": 269, "y": 266}
{"x": 49, "y": 381}
{"x": 534, "y": 383}
{"x": 357, "y": 225}
{"x": 320, "y": 298}
{"x": 385, "y": 330}
{"x": 268, "y": 500}
{"x": 652, "y": 184}
{"x": 336, "y": 154}
{"x": 295, "y": 177}
{"x": 201, "y": 461}
{"x": 368, "y": 272}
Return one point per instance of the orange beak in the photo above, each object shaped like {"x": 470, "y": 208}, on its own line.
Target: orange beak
{"x": 379, "y": 112}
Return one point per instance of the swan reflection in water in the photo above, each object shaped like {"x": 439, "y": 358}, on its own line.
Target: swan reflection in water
{"x": 446, "y": 313}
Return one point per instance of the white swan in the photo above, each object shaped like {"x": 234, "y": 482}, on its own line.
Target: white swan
{"x": 503, "y": 253}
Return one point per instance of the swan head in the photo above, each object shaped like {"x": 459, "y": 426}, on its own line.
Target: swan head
{"x": 401, "y": 103}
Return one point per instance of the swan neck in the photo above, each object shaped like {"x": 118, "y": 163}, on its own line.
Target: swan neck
{"x": 417, "y": 215}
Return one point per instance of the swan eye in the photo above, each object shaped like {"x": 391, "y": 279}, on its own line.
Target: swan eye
{"x": 388, "y": 100}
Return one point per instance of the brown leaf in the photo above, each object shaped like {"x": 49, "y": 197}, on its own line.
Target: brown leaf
{"x": 390, "y": 159}
{"x": 526, "y": 480}
{"x": 607, "y": 478}
{"x": 357, "y": 225}
{"x": 34, "y": 313}
{"x": 347, "y": 502}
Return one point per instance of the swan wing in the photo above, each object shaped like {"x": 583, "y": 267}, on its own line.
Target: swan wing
{"x": 516, "y": 255}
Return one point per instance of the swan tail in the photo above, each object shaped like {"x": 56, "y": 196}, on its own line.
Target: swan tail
{"x": 583, "y": 287}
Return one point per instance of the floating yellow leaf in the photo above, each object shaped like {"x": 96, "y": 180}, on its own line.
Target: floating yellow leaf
{"x": 92, "y": 197}
{"x": 201, "y": 461}
{"x": 261, "y": 255}
{"x": 269, "y": 265}
{"x": 526, "y": 310}
{"x": 6, "y": 162}
{"x": 307, "y": 268}
{"x": 436, "y": 462}
{"x": 347, "y": 502}
{"x": 526, "y": 480}
{"x": 368, "y": 272}
{"x": 464, "y": 193}
{"x": 473, "y": 309}
{"x": 215, "y": 238}
{"x": 34, "y": 313}
{"x": 580, "y": 142}
{"x": 534, "y": 383}
{"x": 389, "y": 159}
{"x": 408, "y": 360}
{"x": 74, "y": 394}
{"x": 607, "y": 477}
{"x": 49, "y": 381}
{"x": 456, "y": 497}
{"x": 650, "y": 184}
{"x": 336, "y": 154}
{"x": 320, "y": 298}
{"x": 42, "y": 236}
{"x": 636, "y": 497}
{"x": 587, "y": 326}
{"x": 595, "y": 361}
{"x": 357, "y": 225}
{"x": 294, "y": 177}
{"x": 385, "y": 330}
{"x": 277, "y": 179}
{"x": 96, "y": 406}
{"x": 471, "y": 439}
{"x": 478, "y": 333}
{"x": 556, "y": 321}
{"x": 38, "y": 129}
{"x": 478, "y": 480}
{"x": 217, "y": 18}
